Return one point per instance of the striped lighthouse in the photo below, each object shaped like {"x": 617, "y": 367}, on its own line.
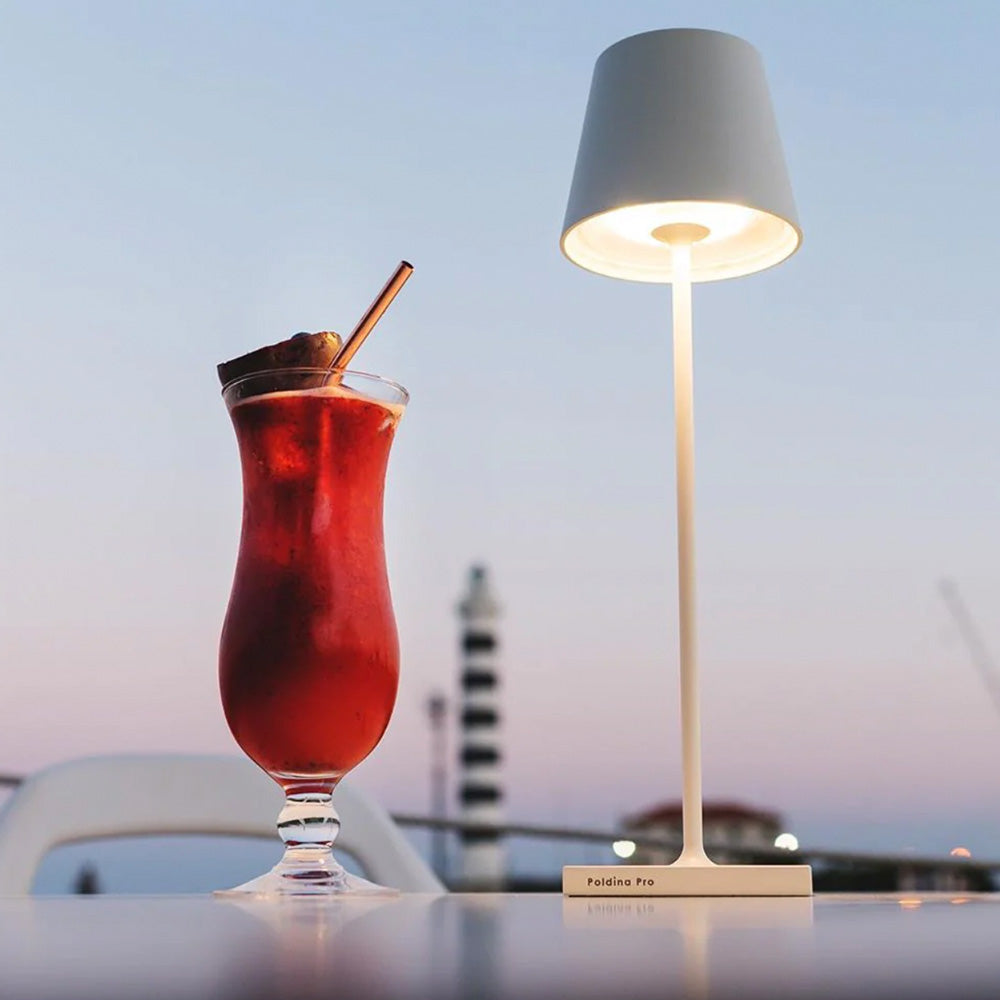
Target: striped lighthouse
{"x": 479, "y": 792}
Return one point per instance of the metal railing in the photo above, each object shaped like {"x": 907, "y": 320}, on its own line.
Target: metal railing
{"x": 671, "y": 844}
{"x": 814, "y": 856}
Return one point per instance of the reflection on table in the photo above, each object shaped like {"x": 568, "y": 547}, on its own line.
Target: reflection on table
{"x": 499, "y": 946}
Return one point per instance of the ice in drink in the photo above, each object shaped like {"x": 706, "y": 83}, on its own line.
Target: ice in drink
{"x": 309, "y": 658}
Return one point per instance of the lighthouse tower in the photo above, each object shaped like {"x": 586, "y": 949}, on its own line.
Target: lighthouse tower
{"x": 479, "y": 792}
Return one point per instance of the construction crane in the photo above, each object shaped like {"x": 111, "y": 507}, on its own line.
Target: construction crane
{"x": 981, "y": 658}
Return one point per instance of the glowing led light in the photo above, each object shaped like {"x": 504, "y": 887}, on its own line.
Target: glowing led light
{"x": 910, "y": 904}
{"x": 960, "y": 852}
{"x": 624, "y": 848}
{"x": 786, "y": 842}
{"x": 637, "y": 222}
{"x": 619, "y": 242}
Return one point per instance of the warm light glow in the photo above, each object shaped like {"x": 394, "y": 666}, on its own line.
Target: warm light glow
{"x": 787, "y": 842}
{"x": 960, "y": 852}
{"x": 910, "y": 904}
{"x": 620, "y": 241}
{"x": 624, "y": 848}
{"x": 637, "y": 222}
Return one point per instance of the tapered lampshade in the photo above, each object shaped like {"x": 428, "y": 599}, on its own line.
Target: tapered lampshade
{"x": 679, "y": 128}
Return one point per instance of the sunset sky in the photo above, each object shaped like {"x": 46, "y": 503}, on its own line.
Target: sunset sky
{"x": 183, "y": 182}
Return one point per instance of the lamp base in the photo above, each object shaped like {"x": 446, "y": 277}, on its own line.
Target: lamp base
{"x": 687, "y": 880}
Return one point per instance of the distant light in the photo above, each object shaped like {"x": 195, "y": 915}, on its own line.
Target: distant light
{"x": 786, "y": 842}
{"x": 624, "y": 848}
{"x": 961, "y": 852}
{"x": 910, "y": 904}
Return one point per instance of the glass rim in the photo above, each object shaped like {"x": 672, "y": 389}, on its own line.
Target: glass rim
{"x": 317, "y": 370}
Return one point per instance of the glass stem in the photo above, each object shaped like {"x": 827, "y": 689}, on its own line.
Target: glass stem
{"x": 308, "y": 823}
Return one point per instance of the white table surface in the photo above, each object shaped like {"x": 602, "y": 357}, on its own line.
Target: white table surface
{"x": 500, "y": 946}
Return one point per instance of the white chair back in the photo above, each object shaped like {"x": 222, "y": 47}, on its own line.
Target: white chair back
{"x": 122, "y": 795}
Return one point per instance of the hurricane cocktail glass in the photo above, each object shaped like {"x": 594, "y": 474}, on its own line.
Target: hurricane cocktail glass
{"x": 309, "y": 657}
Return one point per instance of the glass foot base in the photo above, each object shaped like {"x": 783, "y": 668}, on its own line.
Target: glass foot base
{"x": 309, "y": 876}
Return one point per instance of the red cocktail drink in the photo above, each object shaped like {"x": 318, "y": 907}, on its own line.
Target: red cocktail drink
{"x": 309, "y": 658}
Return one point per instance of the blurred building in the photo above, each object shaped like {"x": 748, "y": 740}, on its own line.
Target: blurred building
{"x": 480, "y": 793}
{"x": 437, "y": 714}
{"x": 726, "y": 825}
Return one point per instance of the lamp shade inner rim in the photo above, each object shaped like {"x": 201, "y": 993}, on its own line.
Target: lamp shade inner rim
{"x": 619, "y": 242}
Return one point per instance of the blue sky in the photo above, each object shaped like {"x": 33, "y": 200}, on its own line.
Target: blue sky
{"x": 182, "y": 182}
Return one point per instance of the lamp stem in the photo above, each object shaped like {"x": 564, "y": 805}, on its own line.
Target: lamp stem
{"x": 693, "y": 852}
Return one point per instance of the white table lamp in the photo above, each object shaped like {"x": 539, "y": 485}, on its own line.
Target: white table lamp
{"x": 680, "y": 177}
